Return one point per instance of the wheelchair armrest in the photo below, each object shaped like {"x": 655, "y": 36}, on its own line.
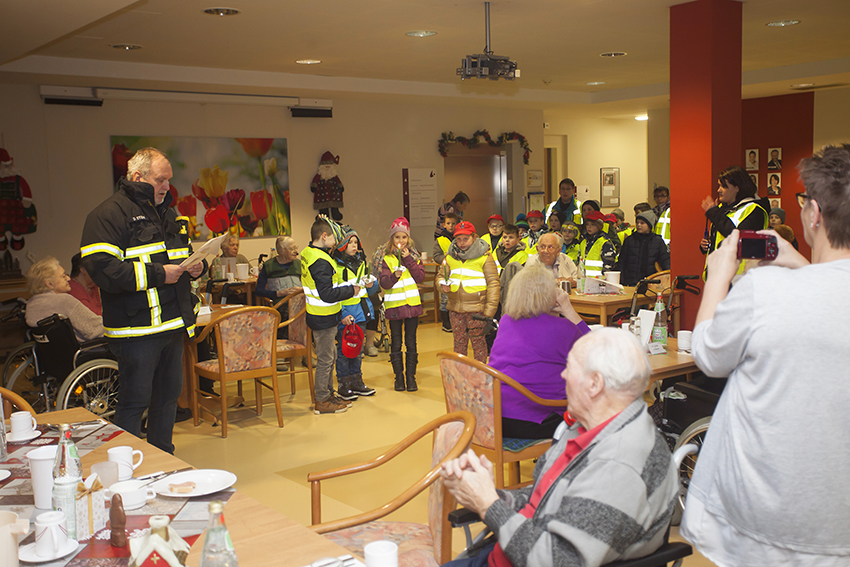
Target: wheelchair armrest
{"x": 667, "y": 553}
{"x": 94, "y": 343}
{"x": 462, "y": 517}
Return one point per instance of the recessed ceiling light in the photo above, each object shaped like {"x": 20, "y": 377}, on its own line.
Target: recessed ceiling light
{"x": 802, "y": 85}
{"x": 613, "y": 54}
{"x": 221, "y": 11}
{"x": 126, "y": 46}
{"x": 309, "y": 61}
{"x": 642, "y": 118}
{"x": 782, "y": 23}
{"x": 421, "y": 33}
{"x": 594, "y": 83}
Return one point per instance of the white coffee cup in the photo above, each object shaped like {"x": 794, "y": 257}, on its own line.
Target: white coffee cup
{"x": 684, "y": 338}
{"x": 107, "y": 472}
{"x": 242, "y": 271}
{"x": 613, "y": 277}
{"x": 231, "y": 277}
{"x": 124, "y": 456}
{"x": 41, "y": 474}
{"x": 424, "y": 256}
{"x": 23, "y": 423}
{"x": 381, "y": 553}
{"x": 51, "y": 533}
{"x": 134, "y": 493}
{"x": 255, "y": 271}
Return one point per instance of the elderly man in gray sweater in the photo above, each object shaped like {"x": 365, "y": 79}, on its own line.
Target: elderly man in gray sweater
{"x": 604, "y": 491}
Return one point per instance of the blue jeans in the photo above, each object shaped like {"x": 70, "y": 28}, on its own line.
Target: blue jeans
{"x": 346, "y": 367}
{"x": 150, "y": 377}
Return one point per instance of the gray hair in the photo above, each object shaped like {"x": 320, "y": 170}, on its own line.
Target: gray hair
{"x": 282, "y": 243}
{"x": 619, "y": 357}
{"x": 228, "y": 238}
{"x": 557, "y": 235}
{"x": 40, "y": 272}
{"x": 142, "y": 160}
{"x": 532, "y": 292}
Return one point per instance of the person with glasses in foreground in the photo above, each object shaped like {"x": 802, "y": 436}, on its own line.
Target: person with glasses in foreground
{"x": 769, "y": 483}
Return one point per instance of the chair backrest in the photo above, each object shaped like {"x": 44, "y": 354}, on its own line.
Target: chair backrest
{"x": 471, "y": 389}
{"x": 664, "y": 276}
{"x": 445, "y": 438}
{"x": 298, "y": 328}
{"x": 11, "y": 400}
{"x": 246, "y": 338}
{"x": 55, "y": 346}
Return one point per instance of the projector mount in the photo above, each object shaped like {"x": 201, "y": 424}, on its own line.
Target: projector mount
{"x": 486, "y": 65}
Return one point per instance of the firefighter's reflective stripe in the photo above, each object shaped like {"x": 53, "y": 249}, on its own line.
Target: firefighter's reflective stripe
{"x": 104, "y": 247}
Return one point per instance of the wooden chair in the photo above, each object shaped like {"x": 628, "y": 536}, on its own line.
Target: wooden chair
{"x": 473, "y": 386}
{"x": 418, "y": 544}
{"x": 300, "y": 341}
{"x": 246, "y": 351}
{"x": 12, "y": 401}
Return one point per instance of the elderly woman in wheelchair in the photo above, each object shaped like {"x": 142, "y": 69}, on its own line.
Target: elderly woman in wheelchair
{"x": 50, "y": 288}
{"x": 606, "y": 488}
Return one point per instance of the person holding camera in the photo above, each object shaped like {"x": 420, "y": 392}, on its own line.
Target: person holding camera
{"x": 769, "y": 483}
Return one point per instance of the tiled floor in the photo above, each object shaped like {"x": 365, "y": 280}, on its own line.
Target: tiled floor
{"x": 272, "y": 463}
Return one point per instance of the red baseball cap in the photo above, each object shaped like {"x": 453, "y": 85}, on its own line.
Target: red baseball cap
{"x": 495, "y": 217}
{"x": 352, "y": 341}
{"x": 534, "y": 214}
{"x": 594, "y": 215}
{"x": 465, "y": 227}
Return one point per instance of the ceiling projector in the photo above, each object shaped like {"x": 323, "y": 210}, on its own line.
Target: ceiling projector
{"x": 486, "y": 65}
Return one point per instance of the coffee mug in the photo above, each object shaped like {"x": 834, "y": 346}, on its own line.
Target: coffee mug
{"x": 381, "y": 553}
{"x": 242, "y": 271}
{"x": 124, "y": 456}
{"x": 134, "y": 493}
{"x": 613, "y": 277}
{"x": 41, "y": 474}
{"x": 231, "y": 277}
{"x": 51, "y": 533}
{"x": 684, "y": 338}
{"x": 107, "y": 472}
{"x": 23, "y": 423}
{"x": 255, "y": 271}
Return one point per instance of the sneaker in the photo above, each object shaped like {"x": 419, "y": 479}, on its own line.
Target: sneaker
{"x": 362, "y": 390}
{"x": 447, "y": 329}
{"x": 371, "y": 351}
{"x": 341, "y": 401}
{"x": 331, "y": 405}
{"x": 345, "y": 393}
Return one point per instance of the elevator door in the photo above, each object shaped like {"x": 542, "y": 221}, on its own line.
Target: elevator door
{"x": 481, "y": 174}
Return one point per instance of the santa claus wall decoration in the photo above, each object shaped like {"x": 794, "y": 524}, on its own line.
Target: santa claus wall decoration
{"x": 327, "y": 188}
{"x": 17, "y": 211}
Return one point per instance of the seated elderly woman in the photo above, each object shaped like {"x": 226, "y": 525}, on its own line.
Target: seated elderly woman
{"x": 603, "y": 492}
{"x": 229, "y": 249}
{"x": 530, "y": 320}
{"x": 50, "y": 286}
{"x": 281, "y": 275}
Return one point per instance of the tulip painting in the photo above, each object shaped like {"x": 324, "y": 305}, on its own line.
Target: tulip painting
{"x": 242, "y": 183}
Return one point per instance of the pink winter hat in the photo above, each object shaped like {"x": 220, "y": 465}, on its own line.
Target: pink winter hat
{"x": 400, "y": 225}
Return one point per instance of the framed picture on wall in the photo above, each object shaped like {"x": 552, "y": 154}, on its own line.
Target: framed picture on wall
{"x": 774, "y": 203}
{"x": 755, "y": 179}
{"x": 774, "y": 184}
{"x": 536, "y": 201}
{"x": 775, "y": 155}
{"x": 609, "y": 183}
{"x": 751, "y": 158}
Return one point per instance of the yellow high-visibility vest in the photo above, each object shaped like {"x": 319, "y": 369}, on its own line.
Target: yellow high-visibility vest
{"x": 662, "y": 227}
{"x": 736, "y": 215}
{"x": 405, "y": 291}
{"x": 593, "y": 258}
{"x": 361, "y": 271}
{"x": 521, "y": 256}
{"x": 315, "y": 305}
{"x": 468, "y": 274}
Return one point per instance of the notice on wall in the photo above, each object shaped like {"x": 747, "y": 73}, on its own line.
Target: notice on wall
{"x": 421, "y": 201}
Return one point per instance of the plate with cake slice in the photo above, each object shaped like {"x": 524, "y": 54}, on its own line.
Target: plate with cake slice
{"x": 194, "y": 483}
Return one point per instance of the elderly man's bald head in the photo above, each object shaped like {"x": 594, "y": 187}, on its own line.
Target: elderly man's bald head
{"x": 548, "y": 247}
{"x": 618, "y": 356}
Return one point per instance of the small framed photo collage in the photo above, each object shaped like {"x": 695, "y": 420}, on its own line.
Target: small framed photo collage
{"x": 773, "y": 174}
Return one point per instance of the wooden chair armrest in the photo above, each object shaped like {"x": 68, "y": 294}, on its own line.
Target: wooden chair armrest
{"x": 293, "y": 318}
{"x": 230, "y": 313}
{"x": 287, "y": 298}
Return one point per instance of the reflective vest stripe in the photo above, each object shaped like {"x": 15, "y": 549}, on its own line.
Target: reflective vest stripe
{"x": 178, "y": 253}
{"x": 147, "y": 249}
{"x": 104, "y": 247}
{"x": 736, "y": 216}
{"x": 662, "y": 227}
{"x": 361, "y": 271}
{"x": 468, "y": 274}
{"x": 405, "y": 291}
{"x": 141, "y": 275}
{"x": 123, "y": 332}
{"x": 593, "y": 263}
{"x": 315, "y": 305}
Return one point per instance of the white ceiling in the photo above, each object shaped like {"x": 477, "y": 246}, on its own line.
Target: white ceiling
{"x": 364, "y": 49}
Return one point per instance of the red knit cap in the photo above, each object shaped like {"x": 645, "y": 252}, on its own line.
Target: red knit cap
{"x": 400, "y": 225}
{"x": 534, "y": 214}
{"x": 594, "y": 215}
{"x": 464, "y": 227}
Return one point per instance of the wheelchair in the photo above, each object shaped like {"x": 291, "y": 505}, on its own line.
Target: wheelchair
{"x": 54, "y": 371}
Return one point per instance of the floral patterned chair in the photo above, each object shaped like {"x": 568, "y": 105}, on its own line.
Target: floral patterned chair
{"x": 419, "y": 545}
{"x": 299, "y": 345}
{"x": 475, "y": 387}
{"x": 246, "y": 351}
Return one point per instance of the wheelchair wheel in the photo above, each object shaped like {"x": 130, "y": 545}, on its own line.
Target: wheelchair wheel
{"x": 695, "y": 433}
{"x": 92, "y": 386}
{"x": 21, "y": 355}
{"x": 19, "y": 375}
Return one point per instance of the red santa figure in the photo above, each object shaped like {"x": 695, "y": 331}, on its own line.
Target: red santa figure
{"x": 17, "y": 213}
{"x": 327, "y": 188}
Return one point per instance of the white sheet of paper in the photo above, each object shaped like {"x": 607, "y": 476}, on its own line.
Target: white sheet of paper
{"x": 647, "y": 321}
{"x": 210, "y": 248}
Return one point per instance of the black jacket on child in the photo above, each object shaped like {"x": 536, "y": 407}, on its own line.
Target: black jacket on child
{"x": 638, "y": 256}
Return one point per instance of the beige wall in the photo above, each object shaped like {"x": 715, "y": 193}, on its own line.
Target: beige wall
{"x": 657, "y": 150}
{"x": 832, "y": 117}
{"x": 63, "y": 152}
{"x": 594, "y": 143}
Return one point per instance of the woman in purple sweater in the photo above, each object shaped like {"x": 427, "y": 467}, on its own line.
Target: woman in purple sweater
{"x": 538, "y": 328}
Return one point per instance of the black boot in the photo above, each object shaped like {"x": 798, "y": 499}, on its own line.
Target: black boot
{"x": 398, "y": 370}
{"x": 447, "y": 322}
{"x": 412, "y": 359}
{"x": 344, "y": 391}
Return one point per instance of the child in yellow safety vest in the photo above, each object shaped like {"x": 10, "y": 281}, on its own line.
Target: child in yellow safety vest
{"x": 401, "y": 271}
{"x": 472, "y": 286}
{"x": 441, "y": 246}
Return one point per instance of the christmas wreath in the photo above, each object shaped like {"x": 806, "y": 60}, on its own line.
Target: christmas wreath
{"x": 450, "y": 138}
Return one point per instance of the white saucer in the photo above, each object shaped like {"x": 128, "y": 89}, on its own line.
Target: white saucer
{"x": 12, "y": 438}
{"x": 27, "y": 553}
{"x": 4, "y": 474}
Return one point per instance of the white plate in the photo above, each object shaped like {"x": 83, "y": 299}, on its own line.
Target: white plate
{"x": 4, "y": 475}
{"x": 12, "y": 438}
{"x": 27, "y": 553}
{"x": 207, "y": 481}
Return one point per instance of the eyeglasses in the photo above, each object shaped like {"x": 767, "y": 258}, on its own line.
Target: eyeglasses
{"x": 802, "y": 198}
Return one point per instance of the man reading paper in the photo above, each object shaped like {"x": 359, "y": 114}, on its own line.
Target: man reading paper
{"x": 132, "y": 247}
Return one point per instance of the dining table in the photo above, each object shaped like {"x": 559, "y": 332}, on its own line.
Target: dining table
{"x": 603, "y": 306}
{"x": 261, "y": 536}
{"x": 672, "y": 363}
